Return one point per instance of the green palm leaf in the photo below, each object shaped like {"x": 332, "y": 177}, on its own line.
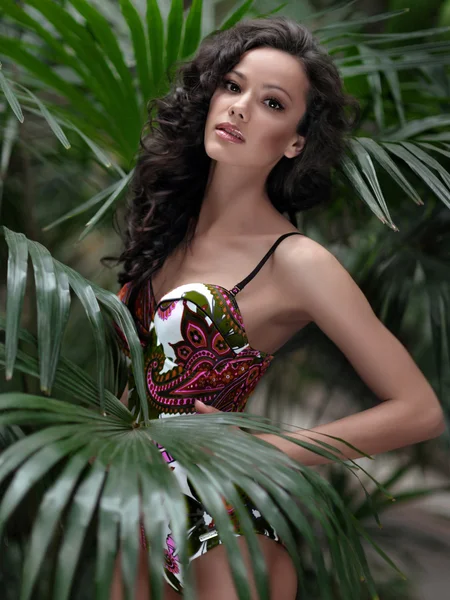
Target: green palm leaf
{"x": 53, "y": 302}
{"x": 11, "y": 97}
{"x": 14, "y": 50}
{"x": 237, "y": 15}
{"x": 383, "y": 158}
{"x": 192, "y": 29}
{"x": 10, "y": 137}
{"x": 108, "y": 42}
{"x": 328, "y": 11}
{"x": 85, "y": 206}
{"x": 366, "y": 165}
{"x": 353, "y": 174}
{"x": 17, "y": 279}
{"x": 119, "y": 189}
{"x": 174, "y": 29}
{"x": 428, "y": 160}
{"x": 383, "y": 38}
{"x": 273, "y": 11}
{"x": 123, "y": 451}
{"x": 69, "y": 378}
{"x": 434, "y": 148}
{"x": 157, "y": 508}
{"x": 155, "y": 32}
{"x": 79, "y": 516}
{"x": 439, "y": 303}
{"x": 97, "y": 151}
{"x": 410, "y": 62}
{"x": 442, "y": 192}
{"x": 58, "y": 51}
{"x": 48, "y": 517}
{"x": 9, "y": 435}
{"x": 346, "y": 25}
{"x": 53, "y": 123}
{"x": 392, "y": 79}
{"x": 47, "y": 310}
{"x": 140, "y": 46}
{"x": 109, "y": 90}
{"x": 417, "y": 126}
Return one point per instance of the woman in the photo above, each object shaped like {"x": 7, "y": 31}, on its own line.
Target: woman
{"x": 218, "y": 279}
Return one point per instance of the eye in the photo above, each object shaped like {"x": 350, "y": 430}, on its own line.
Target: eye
{"x": 280, "y": 106}
{"x": 228, "y": 82}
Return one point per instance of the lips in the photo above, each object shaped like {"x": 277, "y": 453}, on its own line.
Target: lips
{"x": 232, "y": 130}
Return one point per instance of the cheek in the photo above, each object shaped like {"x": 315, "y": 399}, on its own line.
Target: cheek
{"x": 213, "y": 107}
{"x": 274, "y": 136}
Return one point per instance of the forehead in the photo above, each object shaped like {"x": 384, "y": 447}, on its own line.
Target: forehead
{"x": 270, "y": 65}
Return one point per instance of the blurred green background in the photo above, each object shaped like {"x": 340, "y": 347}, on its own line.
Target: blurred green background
{"x": 65, "y": 189}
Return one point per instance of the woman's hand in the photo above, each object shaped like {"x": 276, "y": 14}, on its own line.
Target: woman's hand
{"x": 202, "y": 408}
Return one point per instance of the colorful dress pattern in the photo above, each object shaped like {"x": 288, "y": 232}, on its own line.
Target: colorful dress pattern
{"x": 195, "y": 347}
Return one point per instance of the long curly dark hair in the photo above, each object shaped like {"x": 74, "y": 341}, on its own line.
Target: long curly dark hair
{"x": 172, "y": 167}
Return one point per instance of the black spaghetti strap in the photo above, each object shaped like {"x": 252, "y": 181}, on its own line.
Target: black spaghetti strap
{"x": 241, "y": 285}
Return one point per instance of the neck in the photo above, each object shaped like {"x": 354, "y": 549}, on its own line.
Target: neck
{"x": 233, "y": 196}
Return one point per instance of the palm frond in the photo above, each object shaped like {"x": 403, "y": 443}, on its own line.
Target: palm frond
{"x": 10, "y": 137}
{"x": 368, "y": 169}
{"x": 192, "y": 29}
{"x": 284, "y": 491}
{"x": 383, "y": 38}
{"x": 155, "y": 34}
{"x": 107, "y": 192}
{"x": 237, "y": 15}
{"x": 441, "y": 191}
{"x": 53, "y": 304}
{"x": 9, "y": 435}
{"x": 10, "y": 96}
{"x": 357, "y": 181}
{"x": 53, "y": 123}
{"x": 15, "y": 51}
{"x": 16, "y": 279}
{"x": 327, "y": 12}
{"x": 350, "y": 23}
{"x": 118, "y": 191}
{"x": 274, "y": 11}
{"x": 69, "y": 378}
{"x": 439, "y": 307}
{"x": 100, "y": 154}
{"x": 383, "y": 158}
{"x": 174, "y": 31}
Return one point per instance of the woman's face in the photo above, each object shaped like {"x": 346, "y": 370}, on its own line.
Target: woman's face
{"x": 264, "y": 97}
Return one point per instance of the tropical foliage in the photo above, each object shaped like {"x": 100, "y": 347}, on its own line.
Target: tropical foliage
{"x": 124, "y": 454}
{"x": 63, "y": 63}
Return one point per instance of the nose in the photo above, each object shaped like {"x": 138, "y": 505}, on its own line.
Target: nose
{"x": 236, "y": 112}
{"x": 237, "y": 109}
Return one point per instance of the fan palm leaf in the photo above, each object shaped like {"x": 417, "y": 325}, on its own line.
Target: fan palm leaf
{"x": 69, "y": 435}
{"x": 398, "y": 536}
{"x": 52, "y": 280}
{"x": 129, "y": 483}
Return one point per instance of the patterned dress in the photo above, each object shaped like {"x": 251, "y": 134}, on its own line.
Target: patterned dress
{"x": 195, "y": 347}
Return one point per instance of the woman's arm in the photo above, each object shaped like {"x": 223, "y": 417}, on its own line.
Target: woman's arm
{"x": 409, "y": 411}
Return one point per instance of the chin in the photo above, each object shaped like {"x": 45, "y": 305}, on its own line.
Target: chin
{"x": 220, "y": 154}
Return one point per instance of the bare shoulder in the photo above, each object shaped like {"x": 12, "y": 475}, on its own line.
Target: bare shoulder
{"x": 311, "y": 274}
{"x": 299, "y": 256}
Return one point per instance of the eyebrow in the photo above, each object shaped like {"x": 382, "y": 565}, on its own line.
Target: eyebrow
{"x": 265, "y": 85}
